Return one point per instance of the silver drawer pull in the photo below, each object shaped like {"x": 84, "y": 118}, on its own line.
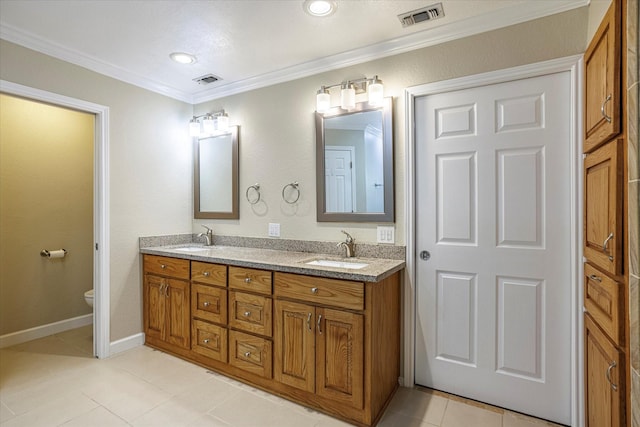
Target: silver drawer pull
{"x": 205, "y": 341}
{"x": 596, "y": 278}
{"x": 607, "y": 118}
{"x": 247, "y": 354}
{"x": 309, "y": 322}
{"x": 247, "y": 280}
{"x": 247, "y": 313}
{"x": 611, "y": 366}
{"x": 314, "y": 290}
{"x": 206, "y": 303}
{"x": 163, "y": 266}
{"x": 206, "y": 274}
{"x": 604, "y": 245}
{"x": 320, "y": 324}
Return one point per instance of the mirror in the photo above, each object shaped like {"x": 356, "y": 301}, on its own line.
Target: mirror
{"x": 354, "y": 164}
{"x": 216, "y": 176}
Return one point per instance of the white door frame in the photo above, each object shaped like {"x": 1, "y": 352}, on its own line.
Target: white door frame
{"x": 575, "y": 65}
{"x": 101, "y": 337}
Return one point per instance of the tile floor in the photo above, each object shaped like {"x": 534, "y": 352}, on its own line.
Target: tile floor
{"x": 54, "y": 381}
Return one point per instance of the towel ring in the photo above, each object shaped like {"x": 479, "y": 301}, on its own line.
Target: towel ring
{"x": 293, "y": 185}
{"x": 256, "y": 189}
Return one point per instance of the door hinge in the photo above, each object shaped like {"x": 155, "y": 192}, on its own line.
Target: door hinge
{"x": 96, "y": 246}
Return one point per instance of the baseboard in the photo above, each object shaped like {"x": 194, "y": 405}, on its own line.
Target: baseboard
{"x": 20, "y": 337}
{"x": 125, "y": 344}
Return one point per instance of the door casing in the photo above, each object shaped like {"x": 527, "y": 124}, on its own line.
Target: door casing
{"x": 575, "y": 66}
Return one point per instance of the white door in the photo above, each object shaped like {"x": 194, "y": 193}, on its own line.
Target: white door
{"x": 338, "y": 163}
{"x": 493, "y": 210}
{"x": 374, "y": 177}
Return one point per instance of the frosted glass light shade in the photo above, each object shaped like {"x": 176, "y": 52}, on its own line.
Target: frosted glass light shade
{"x": 323, "y": 101}
{"x": 375, "y": 92}
{"x": 223, "y": 123}
{"x": 194, "y": 128}
{"x": 208, "y": 125}
{"x": 348, "y": 97}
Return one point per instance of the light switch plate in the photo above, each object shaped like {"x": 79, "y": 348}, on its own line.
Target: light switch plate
{"x": 386, "y": 234}
{"x": 274, "y": 229}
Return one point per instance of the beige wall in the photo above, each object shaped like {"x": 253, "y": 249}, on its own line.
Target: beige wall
{"x": 46, "y": 202}
{"x": 150, "y": 165}
{"x": 150, "y": 156}
{"x": 277, "y": 130}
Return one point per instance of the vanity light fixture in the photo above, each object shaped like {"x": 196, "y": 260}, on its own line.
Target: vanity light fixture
{"x": 348, "y": 90}
{"x": 183, "y": 58}
{"x": 211, "y": 123}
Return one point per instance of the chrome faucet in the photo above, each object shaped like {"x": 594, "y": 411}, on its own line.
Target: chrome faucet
{"x": 208, "y": 236}
{"x": 349, "y": 245}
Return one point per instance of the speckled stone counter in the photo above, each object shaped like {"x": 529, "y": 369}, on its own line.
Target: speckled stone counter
{"x": 279, "y": 260}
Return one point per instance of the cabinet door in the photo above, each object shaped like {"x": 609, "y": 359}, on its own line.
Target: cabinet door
{"x": 294, "y": 343}
{"x": 604, "y": 388}
{"x": 178, "y": 323}
{"x": 339, "y": 356}
{"x": 603, "y": 207}
{"x": 251, "y": 313}
{"x": 602, "y": 81}
{"x": 603, "y": 300}
{"x": 155, "y": 306}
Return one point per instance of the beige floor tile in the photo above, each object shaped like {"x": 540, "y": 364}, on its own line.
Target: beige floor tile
{"x": 511, "y": 419}
{"x": 5, "y": 413}
{"x": 396, "y": 419}
{"x": 248, "y": 410}
{"x": 459, "y": 414}
{"x": 207, "y": 395}
{"x": 207, "y": 420}
{"x": 419, "y": 404}
{"x": 327, "y": 421}
{"x": 98, "y": 417}
{"x": 53, "y": 412}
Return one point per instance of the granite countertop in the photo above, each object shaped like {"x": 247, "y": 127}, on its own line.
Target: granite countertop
{"x": 280, "y": 260}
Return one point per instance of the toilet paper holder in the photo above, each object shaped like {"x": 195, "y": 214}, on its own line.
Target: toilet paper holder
{"x": 60, "y": 253}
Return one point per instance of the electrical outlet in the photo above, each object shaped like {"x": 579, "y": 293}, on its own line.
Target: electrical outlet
{"x": 274, "y": 230}
{"x": 386, "y": 234}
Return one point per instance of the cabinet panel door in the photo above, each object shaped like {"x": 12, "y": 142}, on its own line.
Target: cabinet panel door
{"x": 602, "y": 81}
{"x": 209, "y": 303}
{"x": 251, "y": 313}
{"x": 178, "y": 321}
{"x": 155, "y": 307}
{"x": 209, "y": 340}
{"x": 339, "y": 356}
{"x": 250, "y": 353}
{"x": 294, "y": 342}
{"x": 603, "y": 207}
{"x": 604, "y": 388}
{"x": 603, "y": 300}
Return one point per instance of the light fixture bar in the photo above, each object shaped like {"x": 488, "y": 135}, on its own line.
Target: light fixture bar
{"x": 348, "y": 89}
{"x": 211, "y": 123}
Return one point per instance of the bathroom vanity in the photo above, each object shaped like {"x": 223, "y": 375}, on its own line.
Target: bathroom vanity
{"x": 318, "y": 330}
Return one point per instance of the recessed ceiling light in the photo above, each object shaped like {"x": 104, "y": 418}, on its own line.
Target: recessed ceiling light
{"x": 183, "y": 58}
{"x": 319, "y": 7}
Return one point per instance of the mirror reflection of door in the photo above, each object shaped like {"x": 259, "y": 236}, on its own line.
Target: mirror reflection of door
{"x": 339, "y": 178}
{"x": 374, "y": 179}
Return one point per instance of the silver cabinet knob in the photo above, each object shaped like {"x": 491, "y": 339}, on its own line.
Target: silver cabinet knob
{"x": 206, "y": 340}
{"x": 206, "y": 303}
{"x": 206, "y": 274}
{"x": 247, "y": 354}
{"x": 163, "y": 266}
{"x": 247, "y": 313}
{"x": 314, "y": 290}
{"x": 247, "y": 280}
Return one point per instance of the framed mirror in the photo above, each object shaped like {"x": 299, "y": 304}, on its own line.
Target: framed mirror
{"x": 215, "y": 183}
{"x": 354, "y": 164}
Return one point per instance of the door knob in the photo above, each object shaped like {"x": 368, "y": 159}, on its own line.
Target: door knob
{"x": 425, "y": 255}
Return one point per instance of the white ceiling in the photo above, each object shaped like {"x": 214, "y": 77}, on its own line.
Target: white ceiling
{"x": 247, "y": 43}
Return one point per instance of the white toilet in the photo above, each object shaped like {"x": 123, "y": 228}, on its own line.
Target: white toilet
{"x": 88, "y": 297}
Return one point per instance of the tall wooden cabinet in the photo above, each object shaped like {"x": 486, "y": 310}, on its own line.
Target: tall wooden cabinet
{"x": 605, "y": 290}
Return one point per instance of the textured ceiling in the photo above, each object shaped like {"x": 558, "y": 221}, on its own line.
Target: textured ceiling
{"x": 247, "y": 43}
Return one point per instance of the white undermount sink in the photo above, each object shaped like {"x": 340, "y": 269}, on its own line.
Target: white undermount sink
{"x": 192, "y": 249}
{"x": 338, "y": 264}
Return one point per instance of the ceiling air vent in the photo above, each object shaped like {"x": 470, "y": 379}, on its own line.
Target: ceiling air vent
{"x": 428, "y": 13}
{"x": 206, "y": 79}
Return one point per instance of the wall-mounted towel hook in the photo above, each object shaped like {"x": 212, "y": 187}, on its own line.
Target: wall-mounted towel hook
{"x": 253, "y": 197}
{"x": 293, "y": 185}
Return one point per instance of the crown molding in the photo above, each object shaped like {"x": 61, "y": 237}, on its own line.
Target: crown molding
{"x": 478, "y": 24}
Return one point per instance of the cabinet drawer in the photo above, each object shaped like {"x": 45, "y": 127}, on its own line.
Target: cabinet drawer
{"x": 249, "y": 353}
{"x": 209, "y": 303}
{"x": 250, "y": 279}
{"x": 602, "y": 299}
{"x": 334, "y": 292}
{"x": 209, "y": 340}
{"x": 251, "y": 313}
{"x": 211, "y": 274}
{"x": 165, "y": 266}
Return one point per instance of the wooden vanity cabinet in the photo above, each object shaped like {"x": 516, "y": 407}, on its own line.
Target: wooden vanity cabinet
{"x": 603, "y": 80}
{"x": 166, "y": 302}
